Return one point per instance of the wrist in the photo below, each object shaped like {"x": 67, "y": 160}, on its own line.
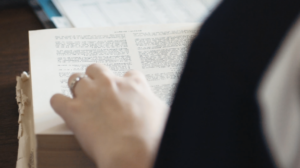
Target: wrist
{"x": 129, "y": 152}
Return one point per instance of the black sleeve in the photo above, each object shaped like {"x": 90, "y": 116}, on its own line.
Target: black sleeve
{"x": 215, "y": 118}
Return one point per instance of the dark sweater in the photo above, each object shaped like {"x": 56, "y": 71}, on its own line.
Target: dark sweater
{"x": 215, "y": 118}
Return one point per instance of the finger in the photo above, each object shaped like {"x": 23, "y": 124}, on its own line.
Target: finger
{"x": 95, "y": 71}
{"x": 72, "y": 77}
{"x": 79, "y": 87}
{"x": 60, "y": 104}
{"x": 137, "y": 76}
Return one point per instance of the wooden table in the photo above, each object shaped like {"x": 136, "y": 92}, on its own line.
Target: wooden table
{"x": 14, "y": 26}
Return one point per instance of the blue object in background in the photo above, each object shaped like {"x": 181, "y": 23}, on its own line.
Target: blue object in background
{"x": 49, "y": 8}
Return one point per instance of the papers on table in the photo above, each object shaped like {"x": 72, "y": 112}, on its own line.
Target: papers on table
{"x": 102, "y": 13}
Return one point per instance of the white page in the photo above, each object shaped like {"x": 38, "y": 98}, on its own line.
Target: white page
{"x": 96, "y": 13}
{"x": 210, "y": 4}
{"x": 157, "y": 51}
{"x": 61, "y": 22}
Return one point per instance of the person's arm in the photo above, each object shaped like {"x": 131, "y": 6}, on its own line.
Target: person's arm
{"x": 118, "y": 121}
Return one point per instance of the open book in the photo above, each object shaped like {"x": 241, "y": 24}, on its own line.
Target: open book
{"x": 159, "y": 51}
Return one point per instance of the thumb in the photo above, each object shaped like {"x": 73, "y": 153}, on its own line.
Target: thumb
{"x": 60, "y": 103}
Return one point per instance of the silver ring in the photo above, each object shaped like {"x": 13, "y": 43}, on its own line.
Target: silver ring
{"x": 74, "y": 83}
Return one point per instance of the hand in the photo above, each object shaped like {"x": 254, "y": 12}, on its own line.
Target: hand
{"x": 117, "y": 120}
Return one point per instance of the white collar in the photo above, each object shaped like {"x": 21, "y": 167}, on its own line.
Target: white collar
{"x": 279, "y": 99}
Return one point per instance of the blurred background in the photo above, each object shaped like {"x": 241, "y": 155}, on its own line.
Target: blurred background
{"x": 96, "y": 13}
{"x": 9, "y": 3}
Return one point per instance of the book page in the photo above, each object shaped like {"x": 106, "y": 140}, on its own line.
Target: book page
{"x": 157, "y": 51}
{"x": 96, "y": 13}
